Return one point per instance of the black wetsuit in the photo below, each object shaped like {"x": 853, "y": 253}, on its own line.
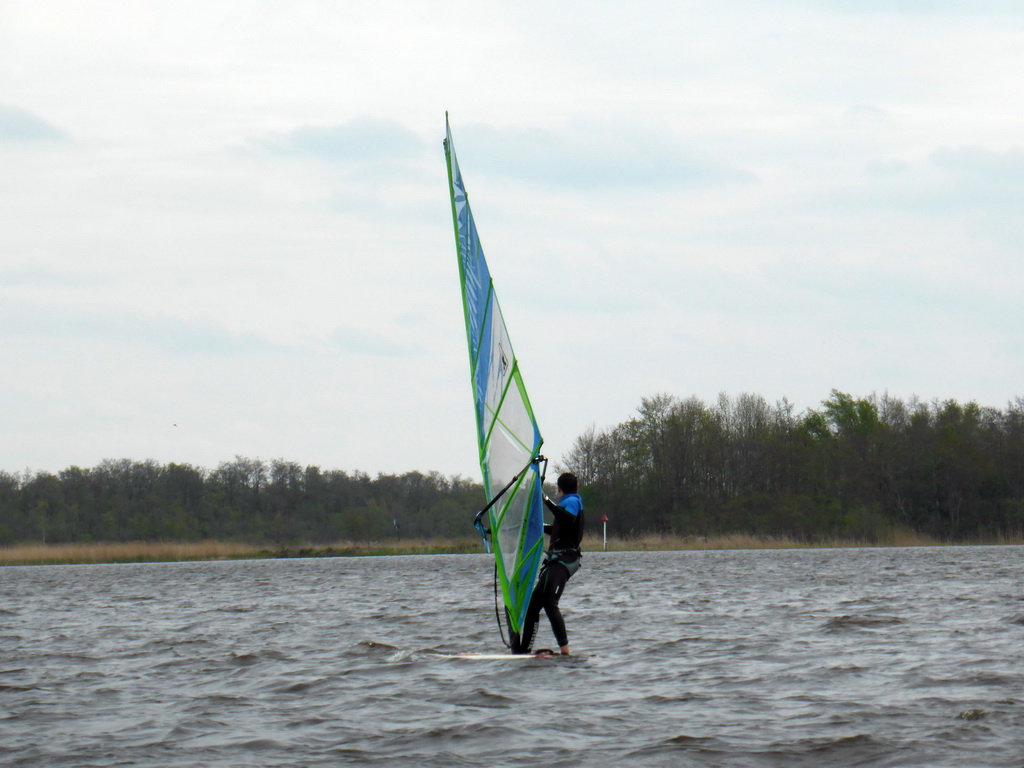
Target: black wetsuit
{"x": 562, "y": 561}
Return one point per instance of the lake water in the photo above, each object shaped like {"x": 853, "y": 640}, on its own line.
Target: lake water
{"x": 888, "y": 657}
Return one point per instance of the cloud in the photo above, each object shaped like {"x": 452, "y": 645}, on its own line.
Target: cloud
{"x": 947, "y": 183}
{"x": 173, "y": 335}
{"x": 992, "y": 176}
{"x": 20, "y": 125}
{"x": 34, "y": 276}
{"x": 864, "y": 114}
{"x": 987, "y": 188}
{"x": 353, "y": 341}
{"x": 595, "y": 155}
{"x": 910, "y": 7}
{"x": 364, "y": 140}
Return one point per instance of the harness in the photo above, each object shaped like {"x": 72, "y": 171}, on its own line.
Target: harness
{"x": 570, "y": 559}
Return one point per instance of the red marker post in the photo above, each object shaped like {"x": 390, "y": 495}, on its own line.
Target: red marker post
{"x": 604, "y": 520}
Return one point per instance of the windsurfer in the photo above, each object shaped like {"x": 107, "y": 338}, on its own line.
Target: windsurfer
{"x": 562, "y": 561}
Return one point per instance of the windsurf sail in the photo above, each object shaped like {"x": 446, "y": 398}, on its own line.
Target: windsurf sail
{"x": 507, "y": 433}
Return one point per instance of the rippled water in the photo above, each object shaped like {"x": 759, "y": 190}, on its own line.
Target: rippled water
{"x": 894, "y": 657}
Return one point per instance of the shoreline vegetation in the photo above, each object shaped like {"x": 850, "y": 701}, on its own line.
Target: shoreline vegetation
{"x": 156, "y": 551}
{"x": 858, "y": 471}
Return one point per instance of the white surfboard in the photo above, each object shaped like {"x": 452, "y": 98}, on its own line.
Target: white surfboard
{"x": 498, "y": 656}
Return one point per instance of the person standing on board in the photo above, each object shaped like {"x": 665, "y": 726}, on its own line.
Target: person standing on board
{"x": 562, "y": 561}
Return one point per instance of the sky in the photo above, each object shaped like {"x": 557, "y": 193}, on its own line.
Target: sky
{"x": 225, "y": 226}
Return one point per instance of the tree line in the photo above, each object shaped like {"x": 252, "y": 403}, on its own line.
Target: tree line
{"x": 857, "y": 467}
{"x": 250, "y": 500}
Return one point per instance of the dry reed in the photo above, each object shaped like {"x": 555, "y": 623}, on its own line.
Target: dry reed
{"x": 145, "y": 551}
{"x": 122, "y": 552}
{"x": 435, "y": 546}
